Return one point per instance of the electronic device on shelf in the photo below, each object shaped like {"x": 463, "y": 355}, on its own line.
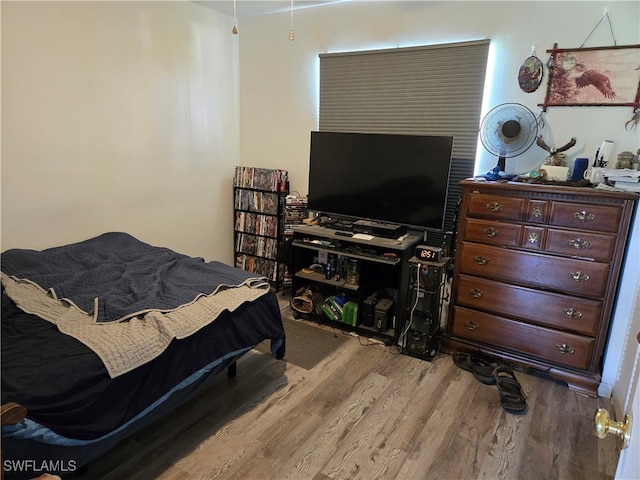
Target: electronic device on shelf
{"x": 379, "y": 229}
{"x": 428, "y": 254}
{"x": 386, "y": 178}
{"x": 422, "y": 340}
{"x": 368, "y": 310}
{"x": 421, "y": 332}
{"x": 382, "y": 314}
{"x": 335, "y": 223}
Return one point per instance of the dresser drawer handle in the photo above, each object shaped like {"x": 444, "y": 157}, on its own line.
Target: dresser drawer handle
{"x": 579, "y": 276}
{"x": 471, "y": 325}
{"x": 579, "y": 243}
{"x": 490, "y": 232}
{"x": 494, "y": 207}
{"x": 481, "y": 260}
{"x": 572, "y": 312}
{"x": 565, "y": 349}
{"x": 537, "y": 212}
{"x": 476, "y": 293}
{"x": 584, "y": 216}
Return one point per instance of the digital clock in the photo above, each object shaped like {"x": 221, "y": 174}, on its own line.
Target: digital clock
{"x": 429, "y": 254}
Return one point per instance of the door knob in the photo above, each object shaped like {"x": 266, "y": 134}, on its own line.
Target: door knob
{"x": 602, "y": 425}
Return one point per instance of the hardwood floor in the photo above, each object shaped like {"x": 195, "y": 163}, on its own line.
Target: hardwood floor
{"x": 366, "y": 412}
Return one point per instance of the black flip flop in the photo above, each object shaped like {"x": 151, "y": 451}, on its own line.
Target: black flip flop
{"x": 512, "y": 398}
{"x": 480, "y": 368}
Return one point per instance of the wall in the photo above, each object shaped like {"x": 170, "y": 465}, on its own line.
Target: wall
{"x": 119, "y": 116}
{"x": 279, "y": 101}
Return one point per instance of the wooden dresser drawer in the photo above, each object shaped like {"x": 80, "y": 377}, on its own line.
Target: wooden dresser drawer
{"x": 598, "y": 246}
{"x": 495, "y": 206}
{"x": 553, "y": 346}
{"x": 537, "y": 211}
{"x": 581, "y": 277}
{"x": 536, "y": 270}
{"x": 495, "y": 233}
{"x": 604, "y": 218}
{"x": 575, "y": 314}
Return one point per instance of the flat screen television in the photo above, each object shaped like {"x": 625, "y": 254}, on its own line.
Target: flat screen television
{"x": 389, "y": 178}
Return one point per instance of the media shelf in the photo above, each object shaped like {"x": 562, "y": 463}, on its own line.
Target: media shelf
{"x": 373, "y": 301}
{"x": 259, "y": 197}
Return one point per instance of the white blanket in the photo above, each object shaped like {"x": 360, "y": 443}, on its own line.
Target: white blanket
{"x": 124, "y": 346}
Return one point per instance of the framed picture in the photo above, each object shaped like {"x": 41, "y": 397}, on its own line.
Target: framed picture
{"x": 600, "y": 76}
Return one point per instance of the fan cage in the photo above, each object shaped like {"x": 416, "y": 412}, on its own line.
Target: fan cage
{"x": 491, "y": 127}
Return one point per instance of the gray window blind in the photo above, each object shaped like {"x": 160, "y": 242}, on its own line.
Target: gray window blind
{"x": 428, "y": 90}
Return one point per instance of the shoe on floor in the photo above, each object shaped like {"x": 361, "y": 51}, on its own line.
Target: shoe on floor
{"x": 481, "y": 368}
{"x": 512, "y": 398}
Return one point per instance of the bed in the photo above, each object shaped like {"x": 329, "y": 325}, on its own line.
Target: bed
{"x": 103, "y": 337}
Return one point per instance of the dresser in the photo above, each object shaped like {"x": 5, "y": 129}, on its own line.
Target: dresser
{"x": 536, "y": 269}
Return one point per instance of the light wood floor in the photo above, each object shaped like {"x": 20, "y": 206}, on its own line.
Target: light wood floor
{"x": 366, "y": 412}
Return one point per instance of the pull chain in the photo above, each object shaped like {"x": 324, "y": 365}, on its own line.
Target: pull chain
{"x": 291, "y": 36}
{"x": 234, "y": 30}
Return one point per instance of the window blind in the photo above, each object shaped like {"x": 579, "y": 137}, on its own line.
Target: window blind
{"x": 426, "y": 90}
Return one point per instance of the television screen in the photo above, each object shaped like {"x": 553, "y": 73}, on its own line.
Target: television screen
{"x": 389, "y": 178}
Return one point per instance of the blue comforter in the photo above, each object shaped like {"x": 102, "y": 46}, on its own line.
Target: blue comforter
{"x": 115, "y": 276}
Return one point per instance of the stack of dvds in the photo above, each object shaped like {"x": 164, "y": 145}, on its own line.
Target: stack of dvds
{"x": 295, "y": 211}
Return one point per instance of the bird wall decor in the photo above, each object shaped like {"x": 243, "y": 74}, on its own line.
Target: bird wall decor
{"x": 584, "y": 77}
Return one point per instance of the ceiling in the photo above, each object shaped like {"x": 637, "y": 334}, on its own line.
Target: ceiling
{"x": 252, "y": 8}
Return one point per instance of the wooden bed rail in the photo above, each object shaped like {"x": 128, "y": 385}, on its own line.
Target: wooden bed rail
{"x": 12, "y": 413}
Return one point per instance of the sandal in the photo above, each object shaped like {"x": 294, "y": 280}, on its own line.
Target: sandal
{"x": 512, "y": 398}
{"x": 480, "y": 368}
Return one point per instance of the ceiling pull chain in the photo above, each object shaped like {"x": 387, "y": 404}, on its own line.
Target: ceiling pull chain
{"x": 234, "y": 30}
{"x": 291, "y": 36}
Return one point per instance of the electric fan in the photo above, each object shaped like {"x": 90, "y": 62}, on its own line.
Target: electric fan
{"x": 508, "y": 130}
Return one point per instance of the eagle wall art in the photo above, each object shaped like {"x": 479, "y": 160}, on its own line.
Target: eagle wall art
{"x": 599, "y": 76}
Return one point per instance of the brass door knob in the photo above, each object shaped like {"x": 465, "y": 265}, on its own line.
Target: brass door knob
{"x": 602, "y": 425}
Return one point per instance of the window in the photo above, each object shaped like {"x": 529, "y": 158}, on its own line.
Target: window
{"x": 428, "y": 90}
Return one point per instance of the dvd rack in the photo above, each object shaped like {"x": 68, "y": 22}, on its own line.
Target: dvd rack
{"x": 259, "y": 197}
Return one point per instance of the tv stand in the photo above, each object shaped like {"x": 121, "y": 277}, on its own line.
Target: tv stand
{"x": 380, "y": 293}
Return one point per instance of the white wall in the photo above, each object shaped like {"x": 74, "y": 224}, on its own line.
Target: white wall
{"x": 279, "y": 101}
{"x": 119, "y": 116}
